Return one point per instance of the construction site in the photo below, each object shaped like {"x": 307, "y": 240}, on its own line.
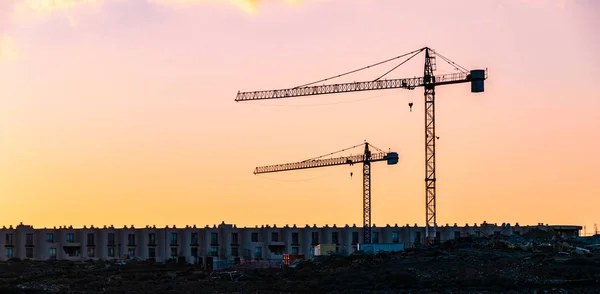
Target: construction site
{"x": 538, "y": 261}
{"x": 509, "y": 258}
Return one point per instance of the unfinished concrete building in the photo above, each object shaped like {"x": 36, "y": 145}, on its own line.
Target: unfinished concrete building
{"x": 222, "y": 242}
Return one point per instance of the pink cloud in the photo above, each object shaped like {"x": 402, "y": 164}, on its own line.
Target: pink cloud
{"x": 19, "y": 10}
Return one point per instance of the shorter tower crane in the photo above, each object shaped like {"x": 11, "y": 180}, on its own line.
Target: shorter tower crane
{"x": 365, "y": 159}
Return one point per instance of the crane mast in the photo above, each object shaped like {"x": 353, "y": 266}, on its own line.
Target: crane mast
{"x": 367, "y": 196}
{"x": 429, "y": 85}
{"x": 366, "y": 159}
{"x": 429, "y": 82}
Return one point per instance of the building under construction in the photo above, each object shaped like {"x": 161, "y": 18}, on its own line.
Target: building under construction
{"x": 228, "y": 242}
{"x": 225, "y": 241}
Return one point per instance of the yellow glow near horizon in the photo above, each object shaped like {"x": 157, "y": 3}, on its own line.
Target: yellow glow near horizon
{"x": 8, "y": 50}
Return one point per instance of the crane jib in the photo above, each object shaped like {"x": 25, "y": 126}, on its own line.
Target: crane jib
{"x": 391, "y": 158}
{"x": 407, "y": 83}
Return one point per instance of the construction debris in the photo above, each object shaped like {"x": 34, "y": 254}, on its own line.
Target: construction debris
{"x": 494, "y": 264}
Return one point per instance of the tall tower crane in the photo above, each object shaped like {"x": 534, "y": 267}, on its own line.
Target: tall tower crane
{"x": 429, "y": 81}
{"x": 366, "y": 158}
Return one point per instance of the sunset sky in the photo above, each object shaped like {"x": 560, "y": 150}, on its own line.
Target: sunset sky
{"x": 122, "y": 111}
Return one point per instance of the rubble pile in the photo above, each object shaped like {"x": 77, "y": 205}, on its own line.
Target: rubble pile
{"x": 494, "y": 264}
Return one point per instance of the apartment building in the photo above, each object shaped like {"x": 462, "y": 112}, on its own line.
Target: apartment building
{"x": 222, "y": 242}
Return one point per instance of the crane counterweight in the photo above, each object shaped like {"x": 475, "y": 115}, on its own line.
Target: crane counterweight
{"x": 477, "y": 79}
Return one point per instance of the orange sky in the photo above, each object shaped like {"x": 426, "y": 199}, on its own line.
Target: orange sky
{"x": 122, "y": 111}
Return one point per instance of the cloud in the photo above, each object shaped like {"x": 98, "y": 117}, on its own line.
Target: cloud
{"x": 249, "y": 6}
{"x": 38, "y": 9}
{"x": 8, "y": 50}
{"x": 51, "y": 5}
{"x": 43, "y": 7}
{"x": 35, "y": 9}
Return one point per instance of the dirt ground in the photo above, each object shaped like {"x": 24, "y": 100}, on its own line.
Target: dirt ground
{"x": 450, "y": 268}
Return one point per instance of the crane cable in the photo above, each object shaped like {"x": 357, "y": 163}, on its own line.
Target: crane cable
{"x": 345, "y": 149}
{"x": 395, "y": 67}
{"x": 456, "y": 65}
{"x": 366, "y": 67}
{"x": 375, "y": 147}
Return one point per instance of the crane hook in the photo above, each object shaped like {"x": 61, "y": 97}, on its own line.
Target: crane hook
{"x": 410, "y": 104}
{"x": 350, "y": 174}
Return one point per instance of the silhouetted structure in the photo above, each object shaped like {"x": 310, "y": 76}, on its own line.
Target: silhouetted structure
{"x": 429, "y": 81}
{"x": 223, "y": 242}
{"x": 365, "y": 159}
